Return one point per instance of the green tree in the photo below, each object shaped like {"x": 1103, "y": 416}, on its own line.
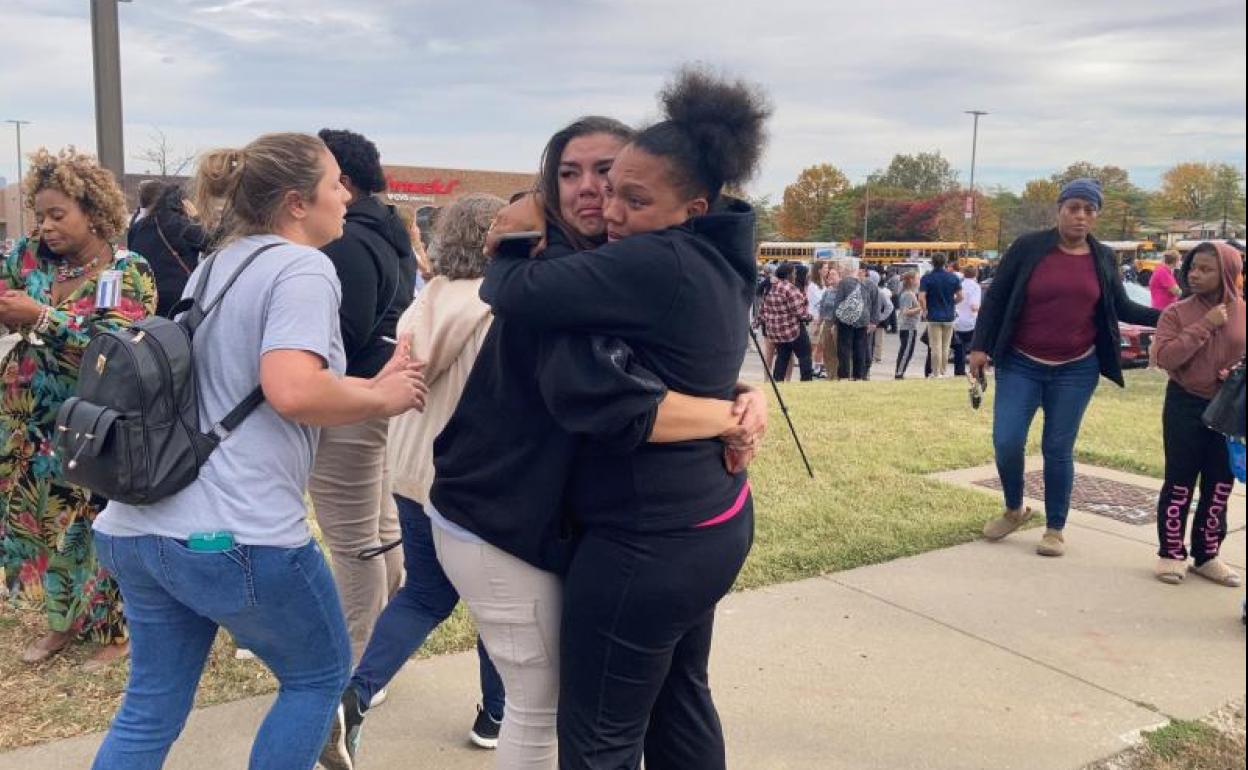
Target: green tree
{"x": 924, "y": 173}
{"x": 1112, "y": 178}
{"x": 843, "y": 219}
{"x": 764, "y": 220}
{"x": 806, "y": 201}
{"x": 1189, "y": 189}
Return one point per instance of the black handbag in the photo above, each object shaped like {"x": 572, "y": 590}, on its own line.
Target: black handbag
{"x": 1225, "y": 413}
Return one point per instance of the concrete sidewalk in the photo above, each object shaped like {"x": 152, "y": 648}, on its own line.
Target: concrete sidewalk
{"x": 978, "y": 656}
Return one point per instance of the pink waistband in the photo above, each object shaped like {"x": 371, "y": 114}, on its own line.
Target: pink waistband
{"x": 733, "y": 511}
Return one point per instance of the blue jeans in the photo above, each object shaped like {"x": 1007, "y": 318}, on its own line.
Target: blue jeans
{"x": 425, "y": 600}
{"x": 280, "y": 603}
{"x": 1063, "y": 392}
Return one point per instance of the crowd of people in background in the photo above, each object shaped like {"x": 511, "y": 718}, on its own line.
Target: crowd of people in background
{"x": 831, "y": 318}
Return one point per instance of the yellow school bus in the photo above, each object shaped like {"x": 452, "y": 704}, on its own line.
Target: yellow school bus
{"x": 801, "y": 251}
{"x": 888, "y": 252}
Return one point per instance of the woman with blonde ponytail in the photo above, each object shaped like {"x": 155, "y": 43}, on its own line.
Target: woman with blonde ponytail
{"x": 233, "y": 549}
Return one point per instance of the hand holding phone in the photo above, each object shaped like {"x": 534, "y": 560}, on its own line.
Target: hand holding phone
{"x": 517, "y": 245}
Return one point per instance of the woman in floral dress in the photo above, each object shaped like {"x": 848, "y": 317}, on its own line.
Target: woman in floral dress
{"x": 48, "y": 295}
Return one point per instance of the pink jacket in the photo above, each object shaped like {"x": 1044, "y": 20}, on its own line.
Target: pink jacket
{"x": 1192, "y": 350}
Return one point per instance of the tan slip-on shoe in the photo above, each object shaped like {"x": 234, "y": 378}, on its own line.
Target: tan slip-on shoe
{"x": 1006, "y": 523}
{"x": 1052, "y": 544}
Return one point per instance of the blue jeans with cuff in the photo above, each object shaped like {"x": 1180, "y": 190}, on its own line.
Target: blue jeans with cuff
{"x": 280, "y": 603}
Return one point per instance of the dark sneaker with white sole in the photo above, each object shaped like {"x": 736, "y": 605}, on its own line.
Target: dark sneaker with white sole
{"x": 485, "y": 730}
{"x": 344, "y": 734}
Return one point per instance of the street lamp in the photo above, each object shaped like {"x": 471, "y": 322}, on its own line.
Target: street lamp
{"x": 106, "y": 59}
{"x": 21, "y": 204}
{"x": 970, "y": 198}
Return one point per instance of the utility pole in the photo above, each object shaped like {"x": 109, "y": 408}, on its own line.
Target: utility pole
{"x": 106, "y": 58}
{"x": 21, "y": 203}
{"x": 970, "y": 198}
{"x": 866, "y": 213}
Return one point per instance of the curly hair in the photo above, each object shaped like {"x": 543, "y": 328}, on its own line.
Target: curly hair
{"x": 81, "y": 178}
{"x": 460, "y": 233}
{"x": 714, "y": 132}
{"x": 357, "y": 157}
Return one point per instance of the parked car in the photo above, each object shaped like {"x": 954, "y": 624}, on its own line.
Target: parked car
{"x": 1135, "y": 340}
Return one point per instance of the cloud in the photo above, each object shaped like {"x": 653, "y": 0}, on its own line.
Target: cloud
{"x": 482, "y": 85}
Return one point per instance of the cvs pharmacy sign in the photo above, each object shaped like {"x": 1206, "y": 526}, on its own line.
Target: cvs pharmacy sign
{"x": 435, "y": 187}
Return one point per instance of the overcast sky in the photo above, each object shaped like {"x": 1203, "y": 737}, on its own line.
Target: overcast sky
{"x": 483, "y": 83}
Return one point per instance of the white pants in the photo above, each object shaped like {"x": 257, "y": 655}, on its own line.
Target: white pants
{"x": 517, "y": 609}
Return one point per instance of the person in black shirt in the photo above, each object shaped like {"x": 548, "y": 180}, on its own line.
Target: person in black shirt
{"x": 376, "y": 269}
{"x": 665, "y": 526}
{"x": 163, "y": 231}
{"x": 502, "y": 462}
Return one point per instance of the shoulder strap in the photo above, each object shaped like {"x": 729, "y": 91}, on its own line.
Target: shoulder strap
{"x": 196, "y": 310}
{"x": 161, "y": 232}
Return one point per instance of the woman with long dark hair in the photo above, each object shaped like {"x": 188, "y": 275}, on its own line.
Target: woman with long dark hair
{"x": 664, "y": 527}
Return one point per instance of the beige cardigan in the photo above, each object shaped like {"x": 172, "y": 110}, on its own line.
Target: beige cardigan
{"x": 446, "y": 326}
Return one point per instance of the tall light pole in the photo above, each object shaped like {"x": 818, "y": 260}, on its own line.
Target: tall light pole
{"x": 970, "y": 198}
{"x": 21, "y": 204}
{"x": 106, "y": 58}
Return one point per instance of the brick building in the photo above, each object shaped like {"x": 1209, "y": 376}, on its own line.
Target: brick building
{"x": 412, "y": 187}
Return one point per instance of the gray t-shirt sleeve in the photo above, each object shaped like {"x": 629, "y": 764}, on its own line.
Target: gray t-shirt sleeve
{"x": 302, "y": 314}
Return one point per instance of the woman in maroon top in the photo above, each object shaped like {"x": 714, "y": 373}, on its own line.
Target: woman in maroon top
{"x": 1050, "y": 325}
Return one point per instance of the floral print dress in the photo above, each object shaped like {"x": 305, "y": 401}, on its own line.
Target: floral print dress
{"x": 46, "y": 548}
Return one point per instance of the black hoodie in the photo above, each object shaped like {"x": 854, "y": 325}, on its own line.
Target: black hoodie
{"x": 680, "y": 298}
{"x": 501, "y": 464}
{"x": 377, "y": 270}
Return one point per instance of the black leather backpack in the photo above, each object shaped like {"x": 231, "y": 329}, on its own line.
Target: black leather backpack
{"x": 132, "y": 432}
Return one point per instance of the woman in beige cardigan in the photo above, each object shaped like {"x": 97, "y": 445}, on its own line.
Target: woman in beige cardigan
{"x": 444, "y": 327}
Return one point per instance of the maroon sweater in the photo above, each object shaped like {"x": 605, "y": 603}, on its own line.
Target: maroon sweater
{"x": 1058, "y": 318}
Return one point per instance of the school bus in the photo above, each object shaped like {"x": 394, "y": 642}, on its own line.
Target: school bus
{"x": 801, "y": 251}
{"x": 889, "y": 252}
{"x": 1142, "y": 253}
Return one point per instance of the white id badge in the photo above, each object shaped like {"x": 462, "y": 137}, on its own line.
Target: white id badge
{"x": 108, "y": 290}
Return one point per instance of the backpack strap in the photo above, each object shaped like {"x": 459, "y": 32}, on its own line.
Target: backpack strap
{"x": 222, "y": 430}
{"x": 196, "y": 312}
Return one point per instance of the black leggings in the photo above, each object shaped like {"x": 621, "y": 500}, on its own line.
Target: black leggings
{"x": 638, "y": 611}
{"x": 1192, "y": 451}
{"x": 800, "y": 347}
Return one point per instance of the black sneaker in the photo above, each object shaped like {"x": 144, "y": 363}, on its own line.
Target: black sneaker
{"x": 344, "y": 734}
{"x": 484, "y": 731}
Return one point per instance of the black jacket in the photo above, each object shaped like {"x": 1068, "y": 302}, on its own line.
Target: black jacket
{"x": 680, "y": 298}
{"x": 994, "y": 331}
{"x": 377, "y": 270}
{"x": 502, "y": 462}
{"x": 172, "y": 244}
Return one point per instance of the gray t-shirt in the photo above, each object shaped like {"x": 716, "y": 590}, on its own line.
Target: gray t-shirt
{"x": 253, "y": 484}
{"x": 907, "y": 301}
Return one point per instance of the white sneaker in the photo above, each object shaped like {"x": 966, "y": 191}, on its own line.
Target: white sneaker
{"x": 379, "y": 698}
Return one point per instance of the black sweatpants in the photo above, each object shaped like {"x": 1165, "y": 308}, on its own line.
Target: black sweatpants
{"x": 906, "y": 351}
{"x": 800, "y": 347}
{"x": 1193, "y": 453}
{"x": 851, "y": 351}
{"x": 638, "y": 612}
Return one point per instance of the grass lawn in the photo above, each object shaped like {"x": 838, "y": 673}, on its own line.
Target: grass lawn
{"x": 871, "y": 446}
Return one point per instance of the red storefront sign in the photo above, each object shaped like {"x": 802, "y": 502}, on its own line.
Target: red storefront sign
{"x": 435, "y": 187}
